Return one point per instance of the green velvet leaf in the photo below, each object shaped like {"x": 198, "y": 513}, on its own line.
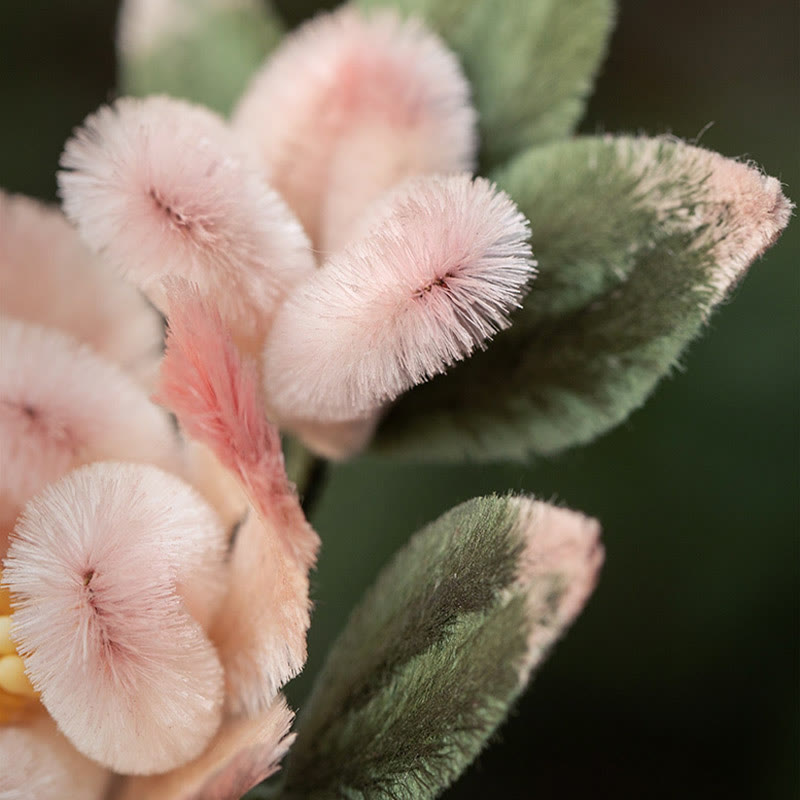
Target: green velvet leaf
{"x": 637, "y": 239}
{"x": 429, "y": 662}
{"x": 200, "y": 50}
{"x": 530, "y": 63}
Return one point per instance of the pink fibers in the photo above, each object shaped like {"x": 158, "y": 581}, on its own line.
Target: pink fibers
{"x": 443, "y": 263}
{"x": 162, "y": 188}
{"x": 351, "y": 105}
{"x": 95, "y": 567}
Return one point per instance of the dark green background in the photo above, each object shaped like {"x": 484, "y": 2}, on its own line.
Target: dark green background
{"x": 681, "y": 679}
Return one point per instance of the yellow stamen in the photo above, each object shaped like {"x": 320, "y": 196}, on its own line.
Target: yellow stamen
{"x": 7, "y": 647}
{"x": 13, "y": 678}
{"x": 5, "y": 598}
{"x": 18, "y": 699}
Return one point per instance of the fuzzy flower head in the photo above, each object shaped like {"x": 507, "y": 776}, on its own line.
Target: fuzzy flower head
{"x": 175, "y": 194}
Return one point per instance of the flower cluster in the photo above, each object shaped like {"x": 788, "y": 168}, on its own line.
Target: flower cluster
{"x": 334, "y": 221}
{"x": 158, "y": 578}
{"x": 316, "y": 256}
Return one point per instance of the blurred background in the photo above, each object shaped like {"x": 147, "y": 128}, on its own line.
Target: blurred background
{"x": 681, "y": 678}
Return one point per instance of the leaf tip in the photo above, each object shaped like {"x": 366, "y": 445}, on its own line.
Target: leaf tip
{"x": 558, "y": 569}
{"x": 753, "y": 213}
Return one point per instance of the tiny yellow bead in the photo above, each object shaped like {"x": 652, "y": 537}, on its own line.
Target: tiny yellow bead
{"x": 5, "y": 598}
{"x": 7, "y": 647}
{"x": 13, "y": 678}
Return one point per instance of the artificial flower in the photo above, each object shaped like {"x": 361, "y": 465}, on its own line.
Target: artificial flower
{"x": 140, "y": 635}
{"x": 362, "y": 119}
{"x": 408, "y": 266}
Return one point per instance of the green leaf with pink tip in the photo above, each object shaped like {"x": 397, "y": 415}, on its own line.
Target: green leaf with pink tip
{"x": 439, "y": 648}
{"x": 637, "y": 241}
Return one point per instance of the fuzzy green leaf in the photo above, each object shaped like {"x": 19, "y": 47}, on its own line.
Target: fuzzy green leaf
{"x": 637, "y": 239}
{"x": 200, "y": 50}
{"x": 531, "y": 63}
{"x": 437, "y": 650}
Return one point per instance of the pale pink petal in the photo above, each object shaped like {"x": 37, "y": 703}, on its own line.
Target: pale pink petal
{"x": 243, "y": 753}
{"x": 337, "y": 440}
{"x": 62, "y": 405}
{"x": 95, "y": 567}
{"x": 351, "y": 105}
{"x": 216, "y": 483}
{"x": 38, "y": 763}
{"x": 262, "y": 626}
{"x": 445, "y": 262}
{"x": 161, "y": 187}
{"x": 260, "y": 631}
{"x": 559, "y": 567}
{"x": 48, "y": 276}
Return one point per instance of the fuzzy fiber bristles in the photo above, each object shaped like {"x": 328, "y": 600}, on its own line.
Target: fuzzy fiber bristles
{"x": 260, "y": 632}
{"x": 348, "y": 107}
{"x": 95, "y": 568}
{"x": 162, "y": 188}
{"x": 62, "y": 405}
{"x": 49, "y": 277}
{"x": 261, "y": 627}
{"x": 737, "y": 211}
{"x": 216, "y": 396}
{"x": 437, "y": 275}
{"x": 558, "y": 569}
{"x": 38, "y": 763}
{"x": 243, "y": 753}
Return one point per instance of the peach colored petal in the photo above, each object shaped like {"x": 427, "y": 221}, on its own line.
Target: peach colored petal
{"x": 216, "y": 396}
{"x": 351, "y": 105}
{"x": 95, "y": 568}
{"x": 48, "y": 276}
{"x": 162, "y": 188}
{"x": 445, "y": 261}
{"x": 559, "y": 567}
{"x": 262, "y": 626}
{"x": 243, "y": 753}
{"x": 62, "y": 405}
{"x": 216, "y": 483}
{"x": 260, "y": 631}
{"x": 337, "y": 440}
{"x": 38, "y": 763}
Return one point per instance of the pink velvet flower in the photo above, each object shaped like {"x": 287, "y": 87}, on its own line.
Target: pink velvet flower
{"x": 143, "y": 642}
{"x": 334, "y": 222}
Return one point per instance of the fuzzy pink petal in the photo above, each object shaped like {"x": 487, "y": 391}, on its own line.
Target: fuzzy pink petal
{"x": 95, "y": 568}
{"x": 562, "y": 557}
{"x": 162, "y": 188}
{"x": 48, "y": 276}
{"x": 260, "y": 631}
{"x": 351, "y": 105}
{"x": 443, "y": 264}
{"x": 243, "y": 753}
{"x": 216, "y": 396}
{"x": 62, "y": 405}
{"x": 38, "y": 763}
{"x": 262, "y": 626}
